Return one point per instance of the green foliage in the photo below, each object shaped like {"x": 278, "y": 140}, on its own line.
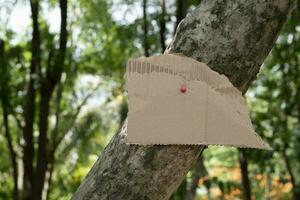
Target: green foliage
{"x": 85, "y": 104}
{"x": 274, "y": 101}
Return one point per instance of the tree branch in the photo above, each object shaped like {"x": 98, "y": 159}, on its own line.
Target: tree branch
{"x": 233, "y": 37}
{"x": 74, "y": 117}
{"x": 14, "y": 114}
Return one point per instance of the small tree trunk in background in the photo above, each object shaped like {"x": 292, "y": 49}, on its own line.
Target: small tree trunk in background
{"x": 162, "y": 25}
{"x": 181, "y": 10}
{"x": 233, "y": 37}
{"x": 199, "y": 172}
{"x": 4, "y": 93}
{"x": 181, "y": 192}
{"x": 268, "y": 183}
{"x": 12, "y": 153}
{"x": 296, "y": 193}
{"x": 29, "y": 107}
{"x": 145, "y": 29}
{"x": 42, "y": 161}
{"x": 54, "y": 138}
{"x": 188, "y": 191}
{"x": 52, "y": 78}
{"x": 245, "y": 175}
{"x": 50, "y": 168}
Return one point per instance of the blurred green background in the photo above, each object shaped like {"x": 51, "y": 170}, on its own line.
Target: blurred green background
{"x": 66, "y": 90}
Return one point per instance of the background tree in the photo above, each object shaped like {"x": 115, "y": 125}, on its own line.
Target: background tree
{"x": 52, "y": 69}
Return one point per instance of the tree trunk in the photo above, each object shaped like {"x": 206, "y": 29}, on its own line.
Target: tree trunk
{"x": 52, "y": 78}
{"x": 245, "y": 175}
{"x": 42, "y": 161}
{"x": 54, "y": 135}
{"x": 181, "y": 10}
{"x": 50, "y": 175}
{"x": 5, "y": 102}
{"x": 29, "y": 107}
{"x": 199, "y": 172}
{"x": 12, "y": 152}
{"x": 296, "y": 193}
{"x": 233, "y": 37}
{"x": 162, "y": 25}
{"x": 181, "y": 191}
{"x": 145, "y": 29}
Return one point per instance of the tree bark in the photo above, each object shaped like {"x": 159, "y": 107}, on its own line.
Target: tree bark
{"x": 233, "y": 37}
{"x": 245, "y": 175}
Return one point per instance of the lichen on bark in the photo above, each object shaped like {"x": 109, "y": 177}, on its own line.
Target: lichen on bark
{"x": 233, "y": 37}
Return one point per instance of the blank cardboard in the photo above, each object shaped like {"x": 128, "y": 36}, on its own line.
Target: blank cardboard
{"x": 177, "y": 100}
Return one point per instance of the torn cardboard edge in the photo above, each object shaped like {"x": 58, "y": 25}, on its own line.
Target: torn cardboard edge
{"x": 211, "y": 112}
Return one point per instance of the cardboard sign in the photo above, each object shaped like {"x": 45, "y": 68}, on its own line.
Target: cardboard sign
{"x": 177, "y": 100}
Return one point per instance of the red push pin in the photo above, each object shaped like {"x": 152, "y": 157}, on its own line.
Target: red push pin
{"x": 183, "y": 89}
